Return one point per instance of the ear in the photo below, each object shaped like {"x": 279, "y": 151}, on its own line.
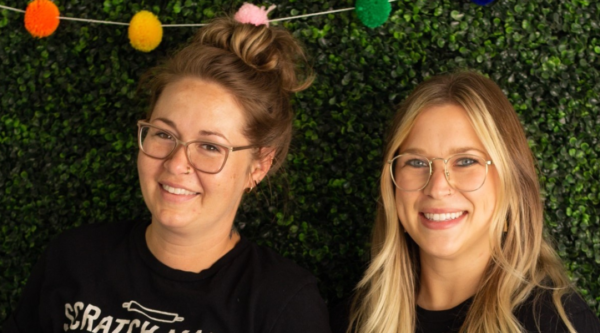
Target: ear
{"x": 262, "y": 165}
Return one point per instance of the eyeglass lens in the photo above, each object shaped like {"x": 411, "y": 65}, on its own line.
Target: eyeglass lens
{"x": 204, "y": 156}
{"x": 465, "y": 172}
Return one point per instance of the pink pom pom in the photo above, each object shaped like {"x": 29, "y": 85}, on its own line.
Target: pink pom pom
{"x": 253, "y": 14}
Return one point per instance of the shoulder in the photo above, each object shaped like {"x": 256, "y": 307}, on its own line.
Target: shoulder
{"x": 580, "y": 314}
{"x": 277, "y": 273}
{"x": 339, "y": 315}
{"x": 89, "y": 242}
{"x": 91, "y": 234}
{"x": 289, "y": 299}
{"x": 538, "y": 313}
{"x": 71, "y": 263}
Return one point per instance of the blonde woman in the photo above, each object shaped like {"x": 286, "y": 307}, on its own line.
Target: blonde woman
{"x": 458, "y": 242}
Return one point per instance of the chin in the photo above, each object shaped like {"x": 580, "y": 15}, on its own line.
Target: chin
{"x": 439, "y": 248}
{"x": 171, "y": 220}
{"x": 441, "y": 253}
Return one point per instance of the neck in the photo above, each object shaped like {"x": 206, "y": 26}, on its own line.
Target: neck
{"x": 187, "y": 252}
{"x": 445, "y": 283}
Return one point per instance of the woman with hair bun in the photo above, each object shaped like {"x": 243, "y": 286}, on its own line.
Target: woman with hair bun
{"x": 458, "y": 242}
{"x": 219, "y": 122}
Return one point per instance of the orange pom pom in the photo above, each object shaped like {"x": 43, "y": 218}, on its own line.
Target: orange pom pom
{"x": 41, "y": 18}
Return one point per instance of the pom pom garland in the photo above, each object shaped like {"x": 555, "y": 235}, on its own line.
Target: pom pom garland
{"x": 253, "y": 14}
{"x": 145, "y": 31}
{"x": 373, "y": 13}
{"x": 41, "y": 18}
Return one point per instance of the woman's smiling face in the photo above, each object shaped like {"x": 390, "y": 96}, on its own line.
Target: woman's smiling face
{"x": 443, "y": 221}
{"x": 193, "y": 109}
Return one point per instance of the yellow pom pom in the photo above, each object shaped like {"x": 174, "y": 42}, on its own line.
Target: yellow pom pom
{"x": 145, "y": 31}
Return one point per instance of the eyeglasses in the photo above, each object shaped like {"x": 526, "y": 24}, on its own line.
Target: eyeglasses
{"x": 464, "y": 172}
{"x": 205, "y": 156}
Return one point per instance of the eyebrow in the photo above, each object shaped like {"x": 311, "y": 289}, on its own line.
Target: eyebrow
{"x": 167, "y": 121}
{"x": 458, "y": 150}
{"x": 202, "y": 132}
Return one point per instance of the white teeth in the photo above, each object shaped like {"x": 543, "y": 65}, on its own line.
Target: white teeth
{"x": 177, "y": 190}
{"x": 443, "y": 217}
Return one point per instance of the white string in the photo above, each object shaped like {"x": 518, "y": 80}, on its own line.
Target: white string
{"x": 314, "y": 14}
{"x": 317, "y": 14}
{"x": 184, "y": 25}
{"x": 91, "y": 21}
{"x": 13, "y": 9}
{"x": 193, "y": 24}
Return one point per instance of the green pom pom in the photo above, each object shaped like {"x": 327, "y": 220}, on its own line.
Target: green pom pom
{"x": 373, "y": 13}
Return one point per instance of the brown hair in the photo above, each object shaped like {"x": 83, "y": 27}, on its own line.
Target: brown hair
{"x": 522, "y": 262}
{"x": 260, "y": 66}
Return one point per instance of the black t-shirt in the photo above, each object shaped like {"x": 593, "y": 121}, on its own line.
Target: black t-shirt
{"x": 530, "y": 314}
{"x": 103, "y": 278}
{"x": 540, "y": 316}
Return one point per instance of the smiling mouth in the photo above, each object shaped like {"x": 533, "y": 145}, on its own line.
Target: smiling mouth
{"x": 443, "y": 217}
{"x": 178, "y": 191}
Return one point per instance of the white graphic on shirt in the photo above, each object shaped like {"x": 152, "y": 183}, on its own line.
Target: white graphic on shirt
{"x": 161, "y": 316}
{"x": 83, "y": 317}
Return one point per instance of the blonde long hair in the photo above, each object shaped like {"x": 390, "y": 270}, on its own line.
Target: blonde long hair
{"x": 522, "y": 259}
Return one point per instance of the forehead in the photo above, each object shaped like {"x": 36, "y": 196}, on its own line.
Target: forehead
{"x": 442, "y": 130}
{"x": 195, "y": 105}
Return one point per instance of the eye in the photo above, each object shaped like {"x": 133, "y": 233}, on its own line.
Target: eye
{"x": 208, "y": 147}
{"x": 465, "y": 161}
{"x": 416, "y": 163}
{"x": 163, "y": 135}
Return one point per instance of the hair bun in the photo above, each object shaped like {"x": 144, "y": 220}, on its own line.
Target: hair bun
{"x": 265, "y": 49}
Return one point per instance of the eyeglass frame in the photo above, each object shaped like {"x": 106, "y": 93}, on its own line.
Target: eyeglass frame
{"x": 446, "y": 172}
{"x": 229, "y": 149}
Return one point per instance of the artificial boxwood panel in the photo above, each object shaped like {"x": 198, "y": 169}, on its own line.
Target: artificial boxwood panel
{"x": 68, "y": 109}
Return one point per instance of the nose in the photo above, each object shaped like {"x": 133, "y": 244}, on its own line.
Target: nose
{"x": 438, "y": 186}
{"x": 177, "y": 162}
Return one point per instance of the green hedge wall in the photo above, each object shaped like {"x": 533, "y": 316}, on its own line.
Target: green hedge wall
{"x": 68, "y": 111}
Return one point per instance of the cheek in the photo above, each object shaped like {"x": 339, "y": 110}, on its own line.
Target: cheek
{"x": 403, "y": 205}
{"x": 142, "y": 165}
{"x": 144, "y": 176}
{"x": 491, "y": 194}
{"x": 484, "y": 201}
{"x": 147, "y": 167}
{"x": 230, "y": 179}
